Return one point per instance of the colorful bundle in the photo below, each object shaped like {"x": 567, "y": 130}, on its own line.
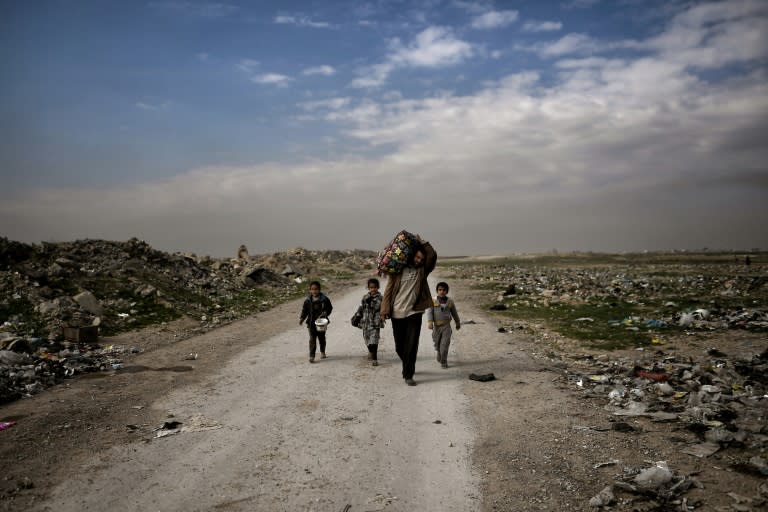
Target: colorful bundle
{"x": 396, "y": 253}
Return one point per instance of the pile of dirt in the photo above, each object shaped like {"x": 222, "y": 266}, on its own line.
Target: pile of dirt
{"x": 58, "y": 299}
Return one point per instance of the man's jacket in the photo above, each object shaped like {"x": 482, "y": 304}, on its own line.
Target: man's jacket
{"x": 424, "y": 298}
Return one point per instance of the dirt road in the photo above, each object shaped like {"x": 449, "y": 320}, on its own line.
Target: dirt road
{"x": 269, "y": 431}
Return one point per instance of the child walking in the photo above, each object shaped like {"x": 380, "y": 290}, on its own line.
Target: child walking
{"x": 371, "y": 322}
{"x": 317, "y": 305}
{"x": 439, "y": 321}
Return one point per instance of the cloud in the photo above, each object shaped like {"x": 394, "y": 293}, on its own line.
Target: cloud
{"x": 248, "y": 65}
{"x": 715, "y": 34}
{"x": 568, "y": 44}
{"x": 319, "y": 70}
{"x": 542, "y": 26}
{"x": 494, "y": 19}
{"x": 434, "y": 47}
{"x": 271, "y": 79}
{"x": 301, "y": 21}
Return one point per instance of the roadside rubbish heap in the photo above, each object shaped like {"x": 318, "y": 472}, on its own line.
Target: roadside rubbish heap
{"x": 712, "y": 403}
{"x": 58, "y": 299}
{"x": 721, "y": 400}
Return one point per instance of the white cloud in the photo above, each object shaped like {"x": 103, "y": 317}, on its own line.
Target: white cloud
{"x": 433, "y": 47}
{"x": 248, "y": 65}
{"x": 320, "y": 70}
{"x": 568, "y": 44}
{"x": 271, "y": 79}
{"x": 715, "y": 34}
{"x": 373, "y": 76}
{"x": 494, "y": 19}
{"x": 542, "y": 26}
{"x": 300, "y": 21}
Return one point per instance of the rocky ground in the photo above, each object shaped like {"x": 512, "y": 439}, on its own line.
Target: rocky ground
{"x": 648, "y": 407}
{"x": 57, "y": 299}
{"x": 661, "y": 401}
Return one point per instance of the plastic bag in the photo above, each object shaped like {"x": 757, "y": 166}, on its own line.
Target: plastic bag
{"x": 357, "y": 318}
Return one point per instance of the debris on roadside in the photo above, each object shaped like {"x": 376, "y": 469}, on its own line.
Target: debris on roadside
{"x": 59, "y": 302}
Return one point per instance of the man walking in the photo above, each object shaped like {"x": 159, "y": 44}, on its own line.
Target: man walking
{"x": 406, "y": 297}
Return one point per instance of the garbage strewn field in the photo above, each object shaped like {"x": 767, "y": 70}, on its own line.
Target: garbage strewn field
{"x": 673, "y": 346}
{"x": 59, "y": 300}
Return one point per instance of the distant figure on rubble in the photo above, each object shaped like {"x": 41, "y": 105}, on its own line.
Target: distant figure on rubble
{"x": 747, "y": 261}
{"x": 406, "y": 297}
{"x": 439, "y": 322}
{"x": 317, "y": 306}
{"x": 242, "y": 253}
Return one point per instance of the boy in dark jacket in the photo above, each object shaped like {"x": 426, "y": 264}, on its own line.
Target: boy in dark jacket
{"x": 317, "y": 305}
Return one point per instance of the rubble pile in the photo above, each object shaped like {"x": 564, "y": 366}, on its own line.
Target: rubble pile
{"x": 697, "y": 297}
{"x": 56, "y": 298}
{"x": 710, "y": 400}
{"x": 717, "y": 403}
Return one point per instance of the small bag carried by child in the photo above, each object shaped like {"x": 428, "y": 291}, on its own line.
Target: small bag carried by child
{"x": 396, "y": 253}
{"x": 357, "y": 317}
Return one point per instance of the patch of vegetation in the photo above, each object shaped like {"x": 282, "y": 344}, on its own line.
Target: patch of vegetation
{"x": 21, "y": 312}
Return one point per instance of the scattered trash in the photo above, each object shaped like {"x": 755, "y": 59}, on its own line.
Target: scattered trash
{"x": 654, "y": 477}
{"x": 6, "y": 424}
{"x": 191, "y": 357}
{"x": 483, "y": 377}
{"x": 603, "y": 498}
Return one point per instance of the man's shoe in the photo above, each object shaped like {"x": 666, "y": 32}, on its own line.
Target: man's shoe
{"x": 410, "y": 382}
{"x": 375, "y": 363}
{"x": 322, "y": 355}
{"x": 311, "y": 359}
{"x": 444, "y": 365}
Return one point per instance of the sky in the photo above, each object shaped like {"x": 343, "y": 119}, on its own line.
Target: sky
{"x": 487, "y": 127}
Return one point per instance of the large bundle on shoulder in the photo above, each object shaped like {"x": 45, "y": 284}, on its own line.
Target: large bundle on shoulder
{"x": 396, "y": 253}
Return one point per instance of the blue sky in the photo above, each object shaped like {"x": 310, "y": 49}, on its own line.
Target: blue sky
{"x": 488, "y": 127}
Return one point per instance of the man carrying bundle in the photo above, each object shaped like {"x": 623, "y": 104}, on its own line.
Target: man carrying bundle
{"x": 406, "y": 297}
